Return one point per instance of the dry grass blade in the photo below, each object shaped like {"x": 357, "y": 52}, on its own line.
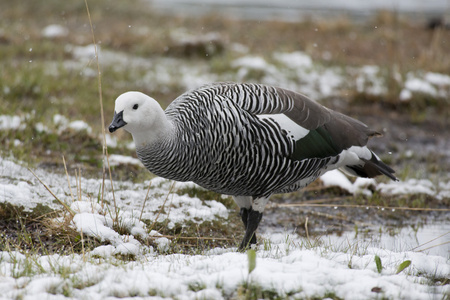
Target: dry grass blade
{"x": 71, "y": 212}
{"x": 434, "y": 246}
{"x": 105, "y": 147}
{"x": 307, "y": 231}
{"x": 191, "y": 237}
{"x": 162, "y": 207}
{"x": 359, "y": 206}
{"x": 438, "y": 237}
{"x": 68, "y": 179}
{"x": 78, "y": 181}
{"x": 145, "y": 201}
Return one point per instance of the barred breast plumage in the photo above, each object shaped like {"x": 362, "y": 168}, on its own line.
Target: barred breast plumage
{"x": 245, "y": 140}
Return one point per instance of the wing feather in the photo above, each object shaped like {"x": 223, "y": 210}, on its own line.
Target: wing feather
{"x": 338, "y": 131}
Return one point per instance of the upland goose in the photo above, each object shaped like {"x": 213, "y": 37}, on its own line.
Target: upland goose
{"x": 249, "y": 141}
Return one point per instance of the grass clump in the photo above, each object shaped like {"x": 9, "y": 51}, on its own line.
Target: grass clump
{"x": 42, "y": 231}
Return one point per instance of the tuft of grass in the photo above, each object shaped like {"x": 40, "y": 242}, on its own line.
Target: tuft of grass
{"x": 253, "y": 291}
{"x": 197, "y": 286}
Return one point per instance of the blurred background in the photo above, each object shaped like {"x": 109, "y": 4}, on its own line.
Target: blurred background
{"x": 384, "y": 62}
{"x": 296, "y": 10}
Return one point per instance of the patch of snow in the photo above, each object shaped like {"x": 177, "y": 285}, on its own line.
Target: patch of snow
{"x": 42, "y": 286}
{"x": 131, "y": 146}
{"x": 115, "y": 160}
{"x": 128, "y": 249}
{"x": 411, "y": 186}
{"x": 101, "y": 227}
{"x": 85, "y": 55}
{"x": 329, "y": 81}
{"x": 337, "y": 178}
{"x": 437, "y": 79}
{"x": 433, "y": 84}
{"x": 369, "y": 81}
{"x": 163, "y": 244}
{"x": 284, "y": 267}
{"x": 79, "y": 125}
{"x": 103, "y": 251}
{"x": 247, "y": 64}
{"x": 17, "y": 123}
{"x": 60, "y": 120}
{"x": 55, "y": 31}
{"x": 62, "y": 123}
{"x": 294, "y": 60}
{"x": 41, "y": 127}
{"x": 190, "y": 79}
{"x": 85, "y": 52}
{"x": 111, "y": 141}
{"x": 19, "y": 188}
{"x": 96, "y": 225}
{"x": 86, "y": 206}
{"x": 408, "y": 187}
{"x": 11, "y": 122}
{"x": 444, "y": 190}
{"x": 250, "y": 62}
{"x": 421, "y": 86}
{"x": 405, "y": 95}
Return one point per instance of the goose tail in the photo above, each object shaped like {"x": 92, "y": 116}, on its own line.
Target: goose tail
{"x": 370, "y": 168}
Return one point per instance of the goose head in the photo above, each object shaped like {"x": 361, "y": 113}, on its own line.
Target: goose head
{"x": 140, "y": 115}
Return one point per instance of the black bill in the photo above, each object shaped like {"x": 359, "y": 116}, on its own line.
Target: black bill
{"x": 117, "y": 122}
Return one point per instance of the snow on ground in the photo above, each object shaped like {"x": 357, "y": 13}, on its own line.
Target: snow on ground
{"x": 10, "y": 122}
{"x": 60, "y": 123}
{"x": 285, "y": 263}
{"x": 54, "y": 31}
{"x": 285, "y": 267}
{"x": 292, "y": 70}
{"x": 407, "y": 187}
{"x": 116, "y": 159}
{"x": 428, "y": 83}
{"x": 20, "y": 188}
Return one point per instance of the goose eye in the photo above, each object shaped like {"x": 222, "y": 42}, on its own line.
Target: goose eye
{"x": 135, "y": 106}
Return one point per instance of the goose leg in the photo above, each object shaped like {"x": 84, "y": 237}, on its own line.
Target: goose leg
{"x": 251, "y": 218}
{"x": 245, "y": 216}
{"x": 244, "y": 203}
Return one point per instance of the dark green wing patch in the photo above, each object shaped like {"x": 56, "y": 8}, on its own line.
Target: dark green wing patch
{"x": 316, "y": 144}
